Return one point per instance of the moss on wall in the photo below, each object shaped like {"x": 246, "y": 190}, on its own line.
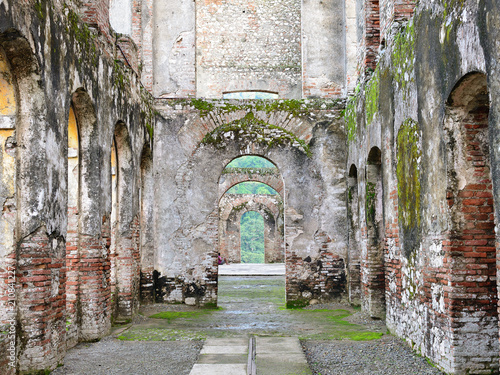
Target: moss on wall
{"x": 294, "y": 107}
{"x": 403, "y": 58}
{"x": 372, "y": 97}
{"x": 254, "y": 130}
{"x": 370, "y": 202}
{"x": 408, "y": 176}
{"x": 350, "y": 118}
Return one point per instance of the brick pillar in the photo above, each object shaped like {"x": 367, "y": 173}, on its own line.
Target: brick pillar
{"x": 372, "y": 261}
{"x": 96, "y": 14}
{"x": 95, "y": 291}
{"x": 41, "y": 275}
{"x": 72, "y": 278}
{"x": 372, "y": 33}
{"x": 128, "y": 271}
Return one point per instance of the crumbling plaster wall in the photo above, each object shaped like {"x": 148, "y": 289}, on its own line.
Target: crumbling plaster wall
{"x": 195, "y": 140}
{"x": 205, "y": 48}
{"x": 231, "y": 209}
{"x": 53, "y": 55}
{"x": 402, "y": 108}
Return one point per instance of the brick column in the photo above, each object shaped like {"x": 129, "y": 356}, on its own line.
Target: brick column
{"x": 41, "y": 275}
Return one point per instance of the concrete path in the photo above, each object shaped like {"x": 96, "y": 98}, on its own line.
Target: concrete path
{"x": 252, "y": 269}
{"x": 229, "y": 356}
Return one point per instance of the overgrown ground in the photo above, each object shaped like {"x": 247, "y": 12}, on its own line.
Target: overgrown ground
{"x": 250, "y": 306}
{"x": 166, "y": 339}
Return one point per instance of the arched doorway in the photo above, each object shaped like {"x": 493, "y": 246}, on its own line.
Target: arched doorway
{"x": 470, "y": 298}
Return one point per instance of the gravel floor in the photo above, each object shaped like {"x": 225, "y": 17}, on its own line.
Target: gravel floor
{"x": 250, "y": 306}
{"x": 387, "y": 356}
{"x": 114, "y": 357}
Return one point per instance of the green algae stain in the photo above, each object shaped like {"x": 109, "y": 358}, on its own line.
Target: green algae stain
{"x": 171, "y": 315}
{"x": 338, "y": 328}
{"x": 255, "y": 130}
{"x": 351, "y": 119}
{"x": 372, "y": 91}
{"x": 403, "y": 58}
{"x": 370, "y": 202}
{"x": 409, "y": 155}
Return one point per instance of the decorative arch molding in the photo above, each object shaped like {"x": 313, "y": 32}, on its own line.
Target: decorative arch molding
{"x": 233, "y": 206}
{"x": 230, "y": 179}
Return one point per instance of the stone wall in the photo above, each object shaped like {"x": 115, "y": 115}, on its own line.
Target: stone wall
{"x": 54, "y": 252}
{"x": 427, "y": 108}
{"x": 231, "y": 209}
{"x": 197, "y": 139}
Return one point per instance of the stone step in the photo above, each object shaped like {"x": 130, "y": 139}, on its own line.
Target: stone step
{"x": 274, "y": 356}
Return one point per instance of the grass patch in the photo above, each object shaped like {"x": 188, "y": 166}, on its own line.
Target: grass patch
{"x": 337, "y": 328}
{"x": 172, "y": 315}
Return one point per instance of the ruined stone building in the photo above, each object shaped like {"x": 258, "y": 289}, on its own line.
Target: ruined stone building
{"x": 118, "y": 118}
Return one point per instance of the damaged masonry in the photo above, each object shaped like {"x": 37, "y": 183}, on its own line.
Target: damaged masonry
{"x": 381, "y": 119}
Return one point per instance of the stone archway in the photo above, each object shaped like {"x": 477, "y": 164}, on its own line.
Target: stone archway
{"x": 232, "y": 207}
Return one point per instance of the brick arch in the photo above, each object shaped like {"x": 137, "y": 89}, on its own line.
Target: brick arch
{"x": 469, "y": 250}
{"x": 193, "y": 132}
{"x": 228, "y": 180}
{"x": 354, "y": 252}
{"x": 372, "y": 257}
{"x": 233, "y": 206}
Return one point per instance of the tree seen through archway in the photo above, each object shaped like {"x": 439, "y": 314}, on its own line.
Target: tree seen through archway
{"x": 252, "y": 237}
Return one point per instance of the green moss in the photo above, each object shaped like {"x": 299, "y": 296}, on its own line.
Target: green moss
{"x": 297, "y": 304}
{"x": 351, "y": 119}
{"x": 40, "y": 8}
{"x": 255, "y": 130}
{"x": 408, "y": 167}
{"x": 370, "y": 202}
{"x": 250, "y": 171}
{"x": 172, "y": 315}
{"x": 81, "y": 34}
{"x": 372, "y": 97}
{"x": 403, "y": 58}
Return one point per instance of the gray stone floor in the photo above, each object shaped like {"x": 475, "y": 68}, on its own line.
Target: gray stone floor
{"x": 249, "y": 305}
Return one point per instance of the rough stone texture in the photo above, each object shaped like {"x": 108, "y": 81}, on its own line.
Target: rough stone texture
{"x": 233, "y": 206}
{"x": 323, "y": 49}
{"x": 190, "y": 162}
{"x": 426, "y": 109}
{"x": 57, "y": 62}
{"x": 248, "y": 45}
{"x": 174, "y": 48}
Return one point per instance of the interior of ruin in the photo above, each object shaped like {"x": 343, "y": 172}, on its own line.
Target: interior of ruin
{"x": 378, "y": 118}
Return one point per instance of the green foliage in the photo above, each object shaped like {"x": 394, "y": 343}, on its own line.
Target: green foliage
{"x": 250, "y": 161}
{"x": 251, "y": 187}
{"x": 252, "y": 237}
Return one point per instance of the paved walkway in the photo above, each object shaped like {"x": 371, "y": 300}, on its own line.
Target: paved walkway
{"x": 252, "y": 269}
{"x": 275, "y": 356}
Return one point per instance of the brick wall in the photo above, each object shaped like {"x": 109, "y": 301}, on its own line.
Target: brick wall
{"x": 96, "y": 14}
{"x": 41, "y": 275}
{"x": 326, "y": 281}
